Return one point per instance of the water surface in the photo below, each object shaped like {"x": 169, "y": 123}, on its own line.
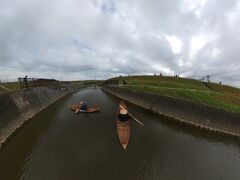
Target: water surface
{"x": 57, "y": 144}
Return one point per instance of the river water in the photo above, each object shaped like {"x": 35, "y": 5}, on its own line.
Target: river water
{"x": 57, "y": 144}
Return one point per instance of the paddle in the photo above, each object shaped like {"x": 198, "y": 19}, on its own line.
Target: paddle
{"x": 74, "y": 108}
{"x": 134, "y": 118}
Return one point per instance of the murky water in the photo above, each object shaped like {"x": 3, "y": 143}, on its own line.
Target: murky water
{"x": 57, "y": 144}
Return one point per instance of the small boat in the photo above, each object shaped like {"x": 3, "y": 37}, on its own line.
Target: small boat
{"x": 76, "y": 109}
{"x": 123, "y": 128}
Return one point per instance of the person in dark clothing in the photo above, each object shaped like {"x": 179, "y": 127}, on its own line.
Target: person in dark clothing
{"x": 83, "y": 106}
{"x": 25, "y": 82}
{"x": 123, "y": 115}
{"x": 125, "y": 81}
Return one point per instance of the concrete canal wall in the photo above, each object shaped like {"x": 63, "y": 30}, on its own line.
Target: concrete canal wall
{"x": 18, "y": 107}
{"x": 202, "y": 116}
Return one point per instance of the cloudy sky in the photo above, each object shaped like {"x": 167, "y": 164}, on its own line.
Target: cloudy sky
{"x": 80, "y": 39}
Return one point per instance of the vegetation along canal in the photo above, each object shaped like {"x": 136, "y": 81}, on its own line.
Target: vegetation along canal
{"x": 57, "y": 144}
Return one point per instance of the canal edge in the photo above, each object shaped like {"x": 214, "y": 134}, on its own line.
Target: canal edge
{"x": 217, "y": 123}
{"x": 8, "y": 132}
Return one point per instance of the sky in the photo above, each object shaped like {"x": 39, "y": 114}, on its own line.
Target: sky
{"x": 88, "y": 39}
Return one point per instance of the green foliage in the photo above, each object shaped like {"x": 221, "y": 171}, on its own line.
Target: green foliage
{"x": 166, "y": 81}
{"x": 221, "y": 96}
{"x": 11, "y": 85}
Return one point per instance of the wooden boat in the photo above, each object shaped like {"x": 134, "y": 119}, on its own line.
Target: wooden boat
{"x": 76, "y": 109}
{"x": 123, "y": 128}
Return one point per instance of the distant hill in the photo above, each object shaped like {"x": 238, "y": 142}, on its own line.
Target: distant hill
{"x": 221, "y": 96}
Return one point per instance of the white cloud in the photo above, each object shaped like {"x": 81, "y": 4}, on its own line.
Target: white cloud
{"x": 80, "y": 39}
{"x": 197, "y": 42}
{"x": 159, "y": 68}
{"x": 175, "y": 43}
{"x": 215, "y": 53}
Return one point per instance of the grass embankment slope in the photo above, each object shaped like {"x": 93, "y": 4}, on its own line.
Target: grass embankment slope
{"x": 11, "y": 85}
{"x": 222, "y": 96}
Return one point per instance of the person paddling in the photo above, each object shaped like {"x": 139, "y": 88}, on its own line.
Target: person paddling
{"x": 123, "y": 115}
{"x": 83, "y": 106}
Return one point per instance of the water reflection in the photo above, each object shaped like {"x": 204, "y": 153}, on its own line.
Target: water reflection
{"x": 57, "y": 144}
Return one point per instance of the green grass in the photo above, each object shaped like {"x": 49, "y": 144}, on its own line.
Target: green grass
{"x": 168, "y": 82}
{"x": 221, "y": 96}
{"x": 11, "y": 85}
{"x": 225, "y": 89}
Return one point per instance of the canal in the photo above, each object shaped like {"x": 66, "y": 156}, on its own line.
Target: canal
{"x": 57, "y": 144}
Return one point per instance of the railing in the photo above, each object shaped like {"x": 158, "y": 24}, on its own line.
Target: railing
{"x": 36, "y": 82}
{"x": 111, "y": 81}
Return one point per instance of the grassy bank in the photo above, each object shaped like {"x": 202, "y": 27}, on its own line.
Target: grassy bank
{"x": 221, "y": 96}
{"x": 11, "y": 85}
{"x": 16, "y": 86}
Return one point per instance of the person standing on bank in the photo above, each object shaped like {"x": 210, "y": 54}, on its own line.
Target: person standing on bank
{"x": 25, "y": 82}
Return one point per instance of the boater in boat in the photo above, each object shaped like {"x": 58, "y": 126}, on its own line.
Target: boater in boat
{"x": 82, "y": 108}
{"x": 123, "y": 115}
{"x": 123, "y": 125}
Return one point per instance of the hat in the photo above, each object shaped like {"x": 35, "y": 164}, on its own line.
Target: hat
{"x": 123, "y": 111}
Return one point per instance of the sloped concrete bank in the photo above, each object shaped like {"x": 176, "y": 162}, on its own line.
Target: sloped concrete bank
{"x": 16, "y": 108}
{"x": 199, "y": 115}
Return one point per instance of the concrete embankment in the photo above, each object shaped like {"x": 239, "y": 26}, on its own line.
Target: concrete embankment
{"x": 16, "y": 108}
{"x": 199, "y": 115}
